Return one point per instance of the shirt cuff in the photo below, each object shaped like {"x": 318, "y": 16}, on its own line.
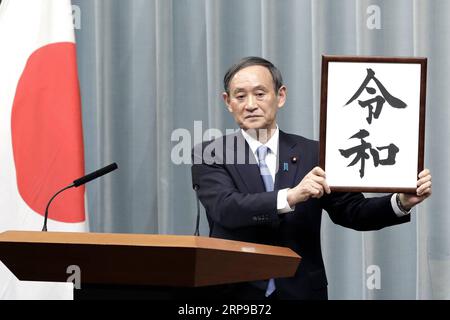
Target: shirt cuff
{"x": 282, "y": 203}
{"x": 399, "y": 212}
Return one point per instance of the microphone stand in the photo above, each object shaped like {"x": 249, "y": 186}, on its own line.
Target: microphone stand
{"x": 80, "y": 182}
{"x": 197, "y": 226}
{"x": 44, "y": 228}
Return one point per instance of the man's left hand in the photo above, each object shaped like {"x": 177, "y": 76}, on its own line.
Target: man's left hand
{"x": 423, "y": 191}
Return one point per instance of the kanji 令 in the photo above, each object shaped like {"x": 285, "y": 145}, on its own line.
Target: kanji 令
{"x": 378, "y": 100}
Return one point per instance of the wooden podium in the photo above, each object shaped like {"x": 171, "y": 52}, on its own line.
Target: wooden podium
{"x": 165, "y": 265}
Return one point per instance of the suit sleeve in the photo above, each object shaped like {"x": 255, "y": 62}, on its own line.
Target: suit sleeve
{"x": 353, "y": 210}
{"x": 226, "y": 205}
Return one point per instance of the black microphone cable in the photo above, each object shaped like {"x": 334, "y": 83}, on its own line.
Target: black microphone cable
{"x": 44, "y": 228}
{"x": 197, "y": 225}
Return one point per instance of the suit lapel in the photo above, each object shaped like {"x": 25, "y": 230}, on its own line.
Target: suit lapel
{"x": 287, "y": 165}
{"x": 248, "y": 169}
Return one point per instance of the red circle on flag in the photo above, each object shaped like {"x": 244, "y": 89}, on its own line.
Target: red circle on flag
{"x": 47, "y": 136}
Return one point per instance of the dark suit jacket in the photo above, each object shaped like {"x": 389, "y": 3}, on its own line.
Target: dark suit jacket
{"x": 238, "y": 208}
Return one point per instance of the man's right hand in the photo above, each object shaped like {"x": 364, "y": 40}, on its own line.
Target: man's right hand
{"x": 313, "y": 185}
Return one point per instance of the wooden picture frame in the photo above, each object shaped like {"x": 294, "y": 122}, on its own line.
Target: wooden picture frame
{"x": 372, "y": 122}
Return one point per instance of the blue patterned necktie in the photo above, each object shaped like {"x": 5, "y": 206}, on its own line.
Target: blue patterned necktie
{"x": 263, "y": 168}
{"x": 268, "y": 183}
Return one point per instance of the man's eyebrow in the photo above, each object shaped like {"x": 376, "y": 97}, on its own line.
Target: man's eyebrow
{"x": 259, "y": 87}
{"x": 237, "y": 90}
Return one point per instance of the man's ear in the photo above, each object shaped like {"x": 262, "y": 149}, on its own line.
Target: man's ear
{"x": 282, "y": 94}
{"x": 226, "y": 99}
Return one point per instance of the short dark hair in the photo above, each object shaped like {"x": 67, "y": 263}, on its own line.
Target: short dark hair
{"x": 253, "y": 61}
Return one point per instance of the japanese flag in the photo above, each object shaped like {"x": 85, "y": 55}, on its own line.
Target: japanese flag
{"x": 41, "y": 141}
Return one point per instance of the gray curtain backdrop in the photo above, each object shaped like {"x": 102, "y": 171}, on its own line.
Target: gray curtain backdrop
{"x": 149, "y": 67}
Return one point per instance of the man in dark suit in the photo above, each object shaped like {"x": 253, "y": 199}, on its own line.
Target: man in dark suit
{"x": 262, "y": 185}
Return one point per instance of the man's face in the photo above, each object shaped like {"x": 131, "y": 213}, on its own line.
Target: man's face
{"x": 253, "y": 100}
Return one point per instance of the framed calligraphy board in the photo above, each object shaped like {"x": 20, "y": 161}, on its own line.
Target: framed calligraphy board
{"x": 372, "y": 122}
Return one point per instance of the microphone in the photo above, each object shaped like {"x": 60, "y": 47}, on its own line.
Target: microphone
{"x": 95, "y": 175}
{"x": 197, "y": 226}
{"x": 77, "y": 183}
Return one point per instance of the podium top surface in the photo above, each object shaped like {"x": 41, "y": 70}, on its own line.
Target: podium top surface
{"x": 152, "y": 240}
{"x": 142, "y": 259}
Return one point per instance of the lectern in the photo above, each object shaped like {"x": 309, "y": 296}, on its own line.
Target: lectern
{"x": 157, "y": 266}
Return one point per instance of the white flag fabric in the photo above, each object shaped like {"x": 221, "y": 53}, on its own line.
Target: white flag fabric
{"x": 41, "y": 139}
